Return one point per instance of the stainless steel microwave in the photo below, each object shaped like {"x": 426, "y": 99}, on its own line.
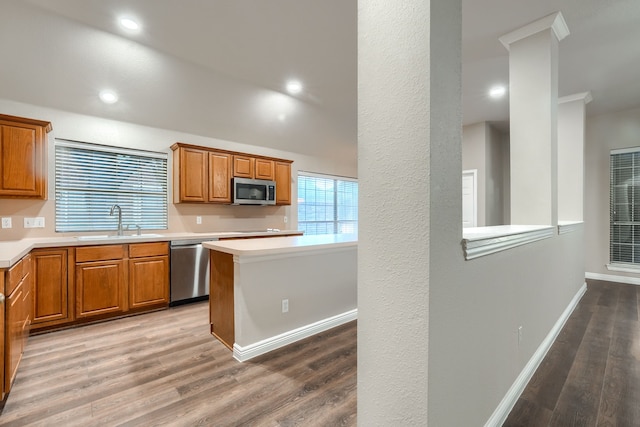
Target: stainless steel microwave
{"x": 254, "y": 191}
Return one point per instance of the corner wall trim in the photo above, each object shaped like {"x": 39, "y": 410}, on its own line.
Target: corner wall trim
{"x": 613, "y": 278}
{"x": 242, "y": 354}
{"x": 501, "y": 413}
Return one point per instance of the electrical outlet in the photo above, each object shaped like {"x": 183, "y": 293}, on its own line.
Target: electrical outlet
{"x": 285, "y": 305}
{"x": 6, "y": 222}
{"x": 37, "y": 222}
{"x": 286, "y": 219}
{"x": 198, "y": 220}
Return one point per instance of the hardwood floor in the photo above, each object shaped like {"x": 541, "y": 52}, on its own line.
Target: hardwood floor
{"x": 591, "y": 374}
{"x": 165, "y": 368}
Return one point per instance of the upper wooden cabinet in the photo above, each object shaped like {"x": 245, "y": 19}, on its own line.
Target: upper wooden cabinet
{"x": 283, "y": 183}
{"x": 219, "y": 175}
{"x": 201, "y": 175}
{"x": 264, "y": 169}
{"x": 243, "y": 166}
{"x": 253, "y": 167}
{"x": 204, "y": 175}
{"x": 23, "y": 162}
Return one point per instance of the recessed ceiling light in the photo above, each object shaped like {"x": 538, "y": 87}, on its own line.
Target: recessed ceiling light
{"x": 294, "y": 86}
{"x": 497, "y": 91}
{"x": 129, "y": 23}
{"x": 108, "y": 96}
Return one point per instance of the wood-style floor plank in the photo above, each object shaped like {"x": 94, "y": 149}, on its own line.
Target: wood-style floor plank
{"x": 591, "y": 374}
{"x": 165, "y": 368}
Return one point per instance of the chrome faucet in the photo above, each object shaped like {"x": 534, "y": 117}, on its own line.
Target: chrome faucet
{"x": 113, "y": 208}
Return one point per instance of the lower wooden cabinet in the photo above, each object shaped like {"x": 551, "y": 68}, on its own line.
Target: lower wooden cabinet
{"x": 100, "y": 288}
{"x": 76, "y": 285}
{"x": 148, "y": 275}
{"x": 53, "y": 295}
{"x": 18, "y": 316}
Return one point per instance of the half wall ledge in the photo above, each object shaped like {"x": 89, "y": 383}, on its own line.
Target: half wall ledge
{"x": 482, "y": 241}
{"x": 569, "y": 226}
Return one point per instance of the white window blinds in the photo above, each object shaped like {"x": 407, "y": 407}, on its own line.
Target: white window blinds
{"x": 625, "y": 206}
{"x": 327, "y": 204}
{"x": 91, "y": 178}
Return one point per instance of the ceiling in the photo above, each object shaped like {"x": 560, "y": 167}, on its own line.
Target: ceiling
{"x": 218, "y": 68}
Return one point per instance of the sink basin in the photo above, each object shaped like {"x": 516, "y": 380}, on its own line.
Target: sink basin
{"x": 116, "y": 237}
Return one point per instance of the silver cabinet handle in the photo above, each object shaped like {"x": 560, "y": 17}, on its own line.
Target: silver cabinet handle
{"x": 1, "y": 298}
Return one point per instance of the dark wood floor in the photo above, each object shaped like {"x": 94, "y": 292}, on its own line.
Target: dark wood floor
{"x": 591, "y": 374}
{"x": 164, "y": 368}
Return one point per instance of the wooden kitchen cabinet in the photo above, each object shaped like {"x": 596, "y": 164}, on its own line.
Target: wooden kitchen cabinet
{"x": 219, "y": 176}
{"x": 253, "y": 167}
{"x": 201, "y": 175}
{"x": 148, "y": 275}
{"x": 190, "y": 174}
{"x": 53, "y": 291}
{"x": 283, "y": 183}
{"x": 264, "y": 169}
{"x": 243, "y": 166}
{"x": 204, "y": 175}
{"x": 18, "y": 307}
{"x": 100, "y": 281}
{"x": 23, "y": 162}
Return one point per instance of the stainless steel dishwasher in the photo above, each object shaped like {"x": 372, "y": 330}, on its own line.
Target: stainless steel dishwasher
{"x": 189, "y": 271}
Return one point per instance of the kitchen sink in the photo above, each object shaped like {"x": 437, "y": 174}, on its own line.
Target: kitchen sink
{"x": 116, "y": 237}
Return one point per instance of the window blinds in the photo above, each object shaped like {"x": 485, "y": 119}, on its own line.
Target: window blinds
{"x": 91, "y": 178}
{"x": 625, "y": 206}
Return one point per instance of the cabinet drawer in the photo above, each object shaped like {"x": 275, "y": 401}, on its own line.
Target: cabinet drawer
{"x": 99, "y": 253}
{"x": 138, "y": 250}
{"x": 18, "y": 272}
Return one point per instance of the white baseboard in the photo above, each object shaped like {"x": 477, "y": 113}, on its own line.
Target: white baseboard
{"x": 613, "y": 278}
{"x": 501, "y": 413}
{"x": 242, "y": 354}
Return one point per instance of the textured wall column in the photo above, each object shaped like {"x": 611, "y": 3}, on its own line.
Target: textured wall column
{"x": 533, "y": 106}
{"x": 409, "y": 160}
{"x": 571, "y": 130}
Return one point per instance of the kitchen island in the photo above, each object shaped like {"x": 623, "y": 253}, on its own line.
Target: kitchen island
{"x": 267, "y": 293}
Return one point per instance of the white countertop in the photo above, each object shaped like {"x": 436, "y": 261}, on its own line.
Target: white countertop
{"x": 280, "y": 245}
{"x": 12, "y": 250}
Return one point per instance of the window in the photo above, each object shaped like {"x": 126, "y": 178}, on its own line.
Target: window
{"x": 91, "y": 178}
{"x": 327, "y": 204}
{"x": 625, "y": 206}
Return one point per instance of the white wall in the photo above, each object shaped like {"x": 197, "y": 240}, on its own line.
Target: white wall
{"x": 604, "y": 133}
{"x": 437, "y": 335}
{"x": 181, "y": 216}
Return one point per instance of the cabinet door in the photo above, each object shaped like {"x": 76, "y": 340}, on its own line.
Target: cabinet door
{"x": 264, "y": 169}
{"x": 13, "y": 336}
{"x": 193, "y": 178}
{"x": 219, "y": 177}
{"x": 22, "y": 167}
{"x": 51, "y": 291}
{"x": 3, "y": 331}
{"x": 100, "y": 288}
{"x": 148, "y": 281}
{"x": 283, "y": 183}
{"x": 243, "y": 166}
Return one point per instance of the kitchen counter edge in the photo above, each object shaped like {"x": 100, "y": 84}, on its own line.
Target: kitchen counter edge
{"x": 11, "y": 251}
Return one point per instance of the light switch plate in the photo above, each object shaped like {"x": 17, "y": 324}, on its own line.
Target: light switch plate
{"x": 6, "y": 222}
{"x": 37, "y": 222}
